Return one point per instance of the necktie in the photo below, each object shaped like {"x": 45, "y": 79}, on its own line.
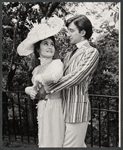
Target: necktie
{"x": 74, "y": 50}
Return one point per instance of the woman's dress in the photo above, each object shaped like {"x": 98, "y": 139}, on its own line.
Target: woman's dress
{"x": 49, "y": 112}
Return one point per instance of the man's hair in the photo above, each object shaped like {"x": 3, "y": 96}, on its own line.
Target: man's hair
{"x": 82, "y": 23}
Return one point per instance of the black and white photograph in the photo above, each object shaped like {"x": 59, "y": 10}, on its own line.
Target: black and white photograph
{"x": 61, "y": 74}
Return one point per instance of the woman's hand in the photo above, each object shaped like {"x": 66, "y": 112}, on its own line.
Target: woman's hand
{"x": 37, "y": 79}
{"x": 31, "y": 92}
{"x": 37, "y": 86}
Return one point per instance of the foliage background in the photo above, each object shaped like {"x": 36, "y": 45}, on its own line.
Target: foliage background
{"x": 17, "y": 20}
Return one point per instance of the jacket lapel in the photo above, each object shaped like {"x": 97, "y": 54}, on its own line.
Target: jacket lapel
{"x": 77, "y": 53}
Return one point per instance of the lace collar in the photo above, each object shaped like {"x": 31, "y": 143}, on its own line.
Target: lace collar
{"x": 44, "y": 61}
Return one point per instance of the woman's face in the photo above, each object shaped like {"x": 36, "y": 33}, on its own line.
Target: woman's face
{"x": 47, "y": 48}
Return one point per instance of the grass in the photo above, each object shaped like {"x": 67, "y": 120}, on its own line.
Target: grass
{"x": 19, "y": 144}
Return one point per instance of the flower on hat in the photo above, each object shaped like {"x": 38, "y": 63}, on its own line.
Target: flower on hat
{"x": 48, "y": 27}
{"x": 54, "y": 21}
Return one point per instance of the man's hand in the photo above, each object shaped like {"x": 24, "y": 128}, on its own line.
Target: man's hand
{"x": 37, "y": 85}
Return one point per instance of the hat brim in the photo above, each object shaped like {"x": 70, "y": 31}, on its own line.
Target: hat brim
{"x": 40, "y": 32}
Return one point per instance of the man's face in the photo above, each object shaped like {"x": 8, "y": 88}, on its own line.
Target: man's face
{"x": 75, "y": 36}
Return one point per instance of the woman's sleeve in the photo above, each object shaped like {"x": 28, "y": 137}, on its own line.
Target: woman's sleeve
{"x": 34, "y": 74}
{"x": 53, "y": 72}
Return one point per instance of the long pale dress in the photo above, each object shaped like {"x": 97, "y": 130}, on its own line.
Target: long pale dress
{"x": 50, "y": 113}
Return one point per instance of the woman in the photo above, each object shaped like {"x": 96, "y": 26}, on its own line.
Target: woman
{"x": 50, "y": 114}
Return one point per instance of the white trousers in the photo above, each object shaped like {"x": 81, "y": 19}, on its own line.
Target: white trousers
{"x": 75, "y": 134}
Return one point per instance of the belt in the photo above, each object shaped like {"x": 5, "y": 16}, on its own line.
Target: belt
{"x": 45, "y": 97}
{"x": 42, "y": 97}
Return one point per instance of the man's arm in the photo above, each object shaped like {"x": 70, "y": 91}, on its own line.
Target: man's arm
{"x": 85, "y": 67}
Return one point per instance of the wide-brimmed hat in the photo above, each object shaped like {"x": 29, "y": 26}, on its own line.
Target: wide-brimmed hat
{"x": 48, "y": 27}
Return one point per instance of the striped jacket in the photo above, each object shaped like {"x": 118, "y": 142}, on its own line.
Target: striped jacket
{"x": 74, "y": 84}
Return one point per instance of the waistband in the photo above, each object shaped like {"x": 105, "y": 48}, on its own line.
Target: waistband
{"x": 48, "y": 96}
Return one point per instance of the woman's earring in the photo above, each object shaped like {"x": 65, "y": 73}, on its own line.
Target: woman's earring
{"x": 38, "y": 52}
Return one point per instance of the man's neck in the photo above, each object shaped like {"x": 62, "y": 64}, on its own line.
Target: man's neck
{"x": 81, "y": 43}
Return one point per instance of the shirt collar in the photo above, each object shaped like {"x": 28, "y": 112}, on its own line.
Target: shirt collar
{"x": 80, "y": 44}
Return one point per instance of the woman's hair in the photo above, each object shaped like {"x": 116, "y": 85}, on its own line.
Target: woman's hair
{"x": 37, "y": 46}
{"x": 36, "y": 61}
{"x": 82, "y": 23}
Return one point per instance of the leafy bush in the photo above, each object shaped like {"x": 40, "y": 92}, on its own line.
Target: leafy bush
{"x": 106, "y": 78}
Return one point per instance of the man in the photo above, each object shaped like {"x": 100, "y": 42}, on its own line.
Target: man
{"x": 79, "y": 68}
